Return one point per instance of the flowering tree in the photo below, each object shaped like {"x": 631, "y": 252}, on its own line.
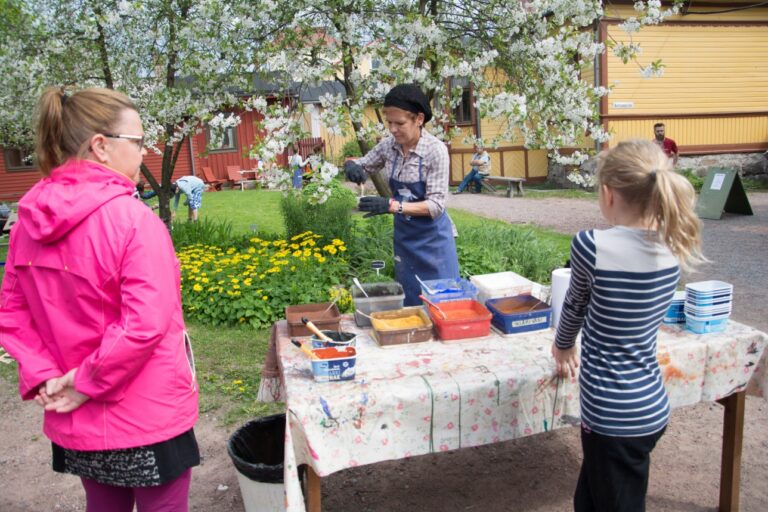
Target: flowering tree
{"x": 181, "y": 61}
{"x": 524, "y": 59}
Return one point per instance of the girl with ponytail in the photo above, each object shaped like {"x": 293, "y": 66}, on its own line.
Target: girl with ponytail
{"x": 90, "y": 309}
{"x": 622, "y": 283}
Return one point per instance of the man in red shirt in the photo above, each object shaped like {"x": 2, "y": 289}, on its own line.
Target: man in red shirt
{"x": 668, "y": 145}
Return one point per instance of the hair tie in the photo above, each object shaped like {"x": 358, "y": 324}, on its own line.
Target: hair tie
{"x": 652, "y": 175}
{"x": 64, "y": 98}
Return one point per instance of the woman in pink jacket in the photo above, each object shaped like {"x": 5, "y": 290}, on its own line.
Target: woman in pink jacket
{"x": 91, "y": 311}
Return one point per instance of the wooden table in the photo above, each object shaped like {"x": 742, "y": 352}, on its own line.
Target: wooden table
{"x": 433, "y": 397}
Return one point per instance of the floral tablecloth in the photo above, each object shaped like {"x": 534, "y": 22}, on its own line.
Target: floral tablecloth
{"x": 430, "y": 397}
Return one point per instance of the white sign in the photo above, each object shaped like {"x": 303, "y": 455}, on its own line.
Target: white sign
{"x": 623, "y": 104}
{"x": 717, "y": 182}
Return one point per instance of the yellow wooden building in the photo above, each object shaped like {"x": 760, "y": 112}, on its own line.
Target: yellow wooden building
{"x": 713, "y": 95}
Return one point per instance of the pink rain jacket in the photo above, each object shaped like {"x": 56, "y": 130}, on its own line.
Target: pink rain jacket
{"x": 92, "y": 281}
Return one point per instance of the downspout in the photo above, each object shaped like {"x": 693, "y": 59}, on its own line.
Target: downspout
{"x": 192, "y": 156}
{"x": 596, "y": 71}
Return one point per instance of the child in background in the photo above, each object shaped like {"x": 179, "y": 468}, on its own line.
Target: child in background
{"x": 192, "y": 187}
{"x": 622, "y": 283}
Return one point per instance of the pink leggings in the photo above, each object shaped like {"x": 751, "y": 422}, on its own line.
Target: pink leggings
{"x": 170, "y": 497}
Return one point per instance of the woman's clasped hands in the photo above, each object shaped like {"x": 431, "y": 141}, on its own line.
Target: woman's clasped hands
{"x": 59, "y": 394}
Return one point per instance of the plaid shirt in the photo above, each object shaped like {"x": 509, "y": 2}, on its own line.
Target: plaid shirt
{"x": 435, "y": 166}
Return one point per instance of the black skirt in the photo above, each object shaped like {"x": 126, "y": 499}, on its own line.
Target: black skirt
{"x": 143, "y": 466}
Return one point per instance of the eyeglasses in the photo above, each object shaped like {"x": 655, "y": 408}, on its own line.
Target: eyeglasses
{"x": 137, "y": 139}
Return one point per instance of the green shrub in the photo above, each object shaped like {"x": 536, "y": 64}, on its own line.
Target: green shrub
{"x": 331, "y": 219}
{"x": 692, "y": 177}
{"x": 371, "y": 239}
{"x": 350, "y": 149}
{"x": 253, "y": 285}
{"x": 489, "y": 248}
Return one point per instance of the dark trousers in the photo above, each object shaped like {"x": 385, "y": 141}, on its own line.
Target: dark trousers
{"x": 473, "y": 177}
{"x": 614, "y": 474}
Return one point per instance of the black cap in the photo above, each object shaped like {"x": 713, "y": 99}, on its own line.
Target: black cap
{"x": 410, "y": 98}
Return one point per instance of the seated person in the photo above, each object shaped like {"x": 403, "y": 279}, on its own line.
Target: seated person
{"x": 481, "y": 167}
{"x": 192, "y": 187}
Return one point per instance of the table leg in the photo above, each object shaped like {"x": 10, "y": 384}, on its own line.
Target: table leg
{"x": 509, "y": 188}
{"x": 733, "y": 435}
{"x": 313, "y": 491}
{"x": 520, "y": 189}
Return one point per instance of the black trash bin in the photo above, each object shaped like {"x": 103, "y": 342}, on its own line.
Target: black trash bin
{"x": 257, "y": 450}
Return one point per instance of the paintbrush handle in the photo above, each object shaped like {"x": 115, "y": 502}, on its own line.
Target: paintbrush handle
{"x": 304, "y": 349}
{"x": 312, "y": 327}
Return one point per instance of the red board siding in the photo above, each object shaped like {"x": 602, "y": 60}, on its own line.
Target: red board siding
{"x": 14, "y": 184}
{"x": 219, "y": 160}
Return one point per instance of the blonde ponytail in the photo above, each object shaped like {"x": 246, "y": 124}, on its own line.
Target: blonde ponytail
{"x": 63, "y": 123}
{"x": 642, "y": 174}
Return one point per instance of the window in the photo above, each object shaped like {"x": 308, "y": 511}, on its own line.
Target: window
{"x": 19, "y": 159}
{"x": 463, "y": 112}
{"x": 227, "y": 142}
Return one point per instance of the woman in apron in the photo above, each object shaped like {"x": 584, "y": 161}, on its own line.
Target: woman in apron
{"x": 417, "y": 165}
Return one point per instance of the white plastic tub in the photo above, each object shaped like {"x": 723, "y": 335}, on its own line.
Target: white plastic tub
{"x": 501, "y": 284}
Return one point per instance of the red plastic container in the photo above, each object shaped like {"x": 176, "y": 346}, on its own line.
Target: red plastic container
{"x": 464, "y": 319}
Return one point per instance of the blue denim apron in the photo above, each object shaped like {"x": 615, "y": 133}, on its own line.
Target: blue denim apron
{"x": 423, "y": 246}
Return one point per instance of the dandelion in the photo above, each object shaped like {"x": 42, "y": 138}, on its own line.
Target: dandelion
{"x": 265, "y": 297}
{"x": 197, "y": 288}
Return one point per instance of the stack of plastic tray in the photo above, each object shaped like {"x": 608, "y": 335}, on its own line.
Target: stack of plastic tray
{"x": 708, "y": 305}
{"x": 676, "y": 312}
{"x": 445, "y": 290}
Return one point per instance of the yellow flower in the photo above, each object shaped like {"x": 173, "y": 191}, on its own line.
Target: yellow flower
{"x": 235, "y": 281}
{"x": 342, "y": 248}
{"x": 235, "y": 286}
{"x": 251, "y": 250}
{"x": 296, "y": 254}
{"x": 265, "y": 297}
{"x": 197, "y": 288}
{"x": 205, "y": 279}
{"x": 237, "y": 382}
{"x": 242, "y": 389}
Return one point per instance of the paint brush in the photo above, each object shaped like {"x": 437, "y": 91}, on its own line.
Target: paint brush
{"x": 304, "y": 348}
{"x": 445, "y": 317}
{"x": 317, "y": 332}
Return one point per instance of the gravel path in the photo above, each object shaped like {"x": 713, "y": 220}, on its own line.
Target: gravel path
{"x": 735, "y": 245}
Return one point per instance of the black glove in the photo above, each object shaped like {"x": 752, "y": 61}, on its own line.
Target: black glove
{"x": 354, "y": 172}
{"x": 374, "y": 205}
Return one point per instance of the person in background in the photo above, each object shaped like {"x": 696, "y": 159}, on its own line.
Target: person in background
{"x": 665, "y": 143}
{"x": 91, "y": 311}
{"x": 622, "y": 283}
{"x": 296, "y": 164}
{"x": 192, "y": 187}
{"x": 417, "y": 164}
{"x": 481, "y": 167}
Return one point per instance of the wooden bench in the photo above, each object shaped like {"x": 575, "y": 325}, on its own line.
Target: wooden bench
{"x": 515, "y": 184}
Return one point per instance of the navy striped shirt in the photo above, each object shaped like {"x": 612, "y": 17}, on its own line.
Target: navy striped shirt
{"x": 621, "y": 286}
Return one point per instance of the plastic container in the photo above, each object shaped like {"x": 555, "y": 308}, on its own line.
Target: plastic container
{"x": 340, "y": 339}
{"x": 523, "y": 313}
{"x": 401, "y": 326}
{"x": 464, "y": 319}
{"x": 381, "y": 297}
{"x": 444, "y": 290}
{"x": 257, "y": 451}
{"x": 335, "y": 364}
{"x": 318, "y": 314}
{"x": 501, "y": 284}
{"x": 705, "y": 326}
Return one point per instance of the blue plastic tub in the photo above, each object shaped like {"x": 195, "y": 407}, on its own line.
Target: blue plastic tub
{"x": 522, "y": 313}
{"x": 705, "y": 326}
{"x": 336, "y": 367}
{"x": 444, "y": 290}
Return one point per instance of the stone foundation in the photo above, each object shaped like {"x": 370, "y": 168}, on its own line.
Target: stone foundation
{"x": 749, "y": 165}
